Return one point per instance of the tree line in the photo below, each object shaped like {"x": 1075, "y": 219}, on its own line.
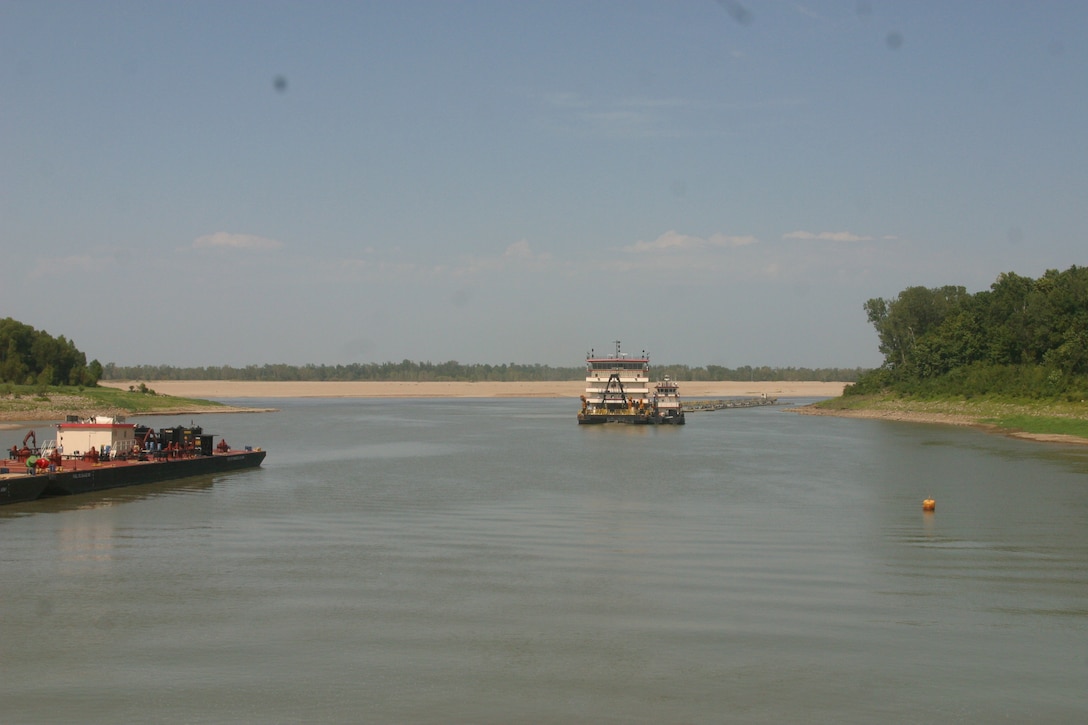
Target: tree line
{"x": 409, "y": 371}
{"x": 34, "y": 357}
{"x": 1022, "y": 337}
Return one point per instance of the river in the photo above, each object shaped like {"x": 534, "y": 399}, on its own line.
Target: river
{"x": 490, "y": 561}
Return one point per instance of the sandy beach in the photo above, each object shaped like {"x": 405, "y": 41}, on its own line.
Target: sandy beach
{"x": 246, "y": 396}
{"x": 228, "y": 389}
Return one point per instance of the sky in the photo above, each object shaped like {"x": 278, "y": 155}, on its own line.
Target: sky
{"x": 713, "y": 182}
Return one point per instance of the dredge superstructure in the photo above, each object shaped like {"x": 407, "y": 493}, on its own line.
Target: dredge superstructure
{"x": 618, "y": 391}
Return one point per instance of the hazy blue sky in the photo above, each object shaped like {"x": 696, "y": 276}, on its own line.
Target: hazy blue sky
{"x": 204, "y": 183}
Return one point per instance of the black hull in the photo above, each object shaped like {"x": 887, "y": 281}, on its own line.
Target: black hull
{"x": 106, "y": 476}
{"x": 599, "y": 419}
{"x": 623, "y": 419}
{"x": 23, "y": 488}
{"x": 670, "y": 420}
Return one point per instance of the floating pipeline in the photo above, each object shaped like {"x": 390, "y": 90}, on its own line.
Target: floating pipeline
{"x": 693, "y": 406}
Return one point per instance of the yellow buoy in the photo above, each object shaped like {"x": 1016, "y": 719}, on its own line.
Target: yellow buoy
{"x": 929, "y": 505}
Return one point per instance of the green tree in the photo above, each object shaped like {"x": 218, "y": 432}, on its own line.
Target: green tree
{"x": 29, "y": 356}
{"x": 901, "y": 322}
{"x": 1021, "y": 337}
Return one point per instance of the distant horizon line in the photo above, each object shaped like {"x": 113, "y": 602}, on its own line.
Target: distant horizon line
{"x": 473, "y": 364}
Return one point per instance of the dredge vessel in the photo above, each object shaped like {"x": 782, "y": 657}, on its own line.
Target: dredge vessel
{"x": 100, "y": 453}
{"x": 618, "y": 391}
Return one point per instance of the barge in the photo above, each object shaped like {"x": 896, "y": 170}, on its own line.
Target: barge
{"x": 101, "y": 453}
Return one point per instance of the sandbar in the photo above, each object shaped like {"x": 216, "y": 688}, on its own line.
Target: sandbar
{"x": 235, "y": 389}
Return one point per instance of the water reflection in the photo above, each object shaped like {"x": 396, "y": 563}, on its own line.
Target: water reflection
{"x": 111, "y": 497}
{"x": 81, "y": 541}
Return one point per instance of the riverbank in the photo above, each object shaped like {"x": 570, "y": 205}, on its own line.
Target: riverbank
{"x": 191, "y": 397}
{"x": 52, "y": 406}
{"x": 1003, "y": 418}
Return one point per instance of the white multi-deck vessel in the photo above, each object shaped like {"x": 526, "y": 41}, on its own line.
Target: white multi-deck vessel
{"x": 618, "y": 391}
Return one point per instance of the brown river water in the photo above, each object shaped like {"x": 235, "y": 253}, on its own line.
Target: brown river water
{"x": 490, "y": 561}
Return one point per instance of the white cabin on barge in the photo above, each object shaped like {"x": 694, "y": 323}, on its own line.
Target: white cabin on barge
{"x": 103, "y": 433}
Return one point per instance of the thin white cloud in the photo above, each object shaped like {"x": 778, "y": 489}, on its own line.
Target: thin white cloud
{"x": 631, "y": 117}
{"x": 71, "y": 264}
{"x": 562, "y": 99}
{"x": 227, "y": 240}
{"x": 518, "y": 254}
{"x": 375, "y": 266}
{"x": 829, "y": 236}
{"x": 578, "y": 102}
{"x": 637, "y": 117}
{"x": 674, "y": 241}
{"x": 519, "y": 250}
{"x": 807, "y": 11}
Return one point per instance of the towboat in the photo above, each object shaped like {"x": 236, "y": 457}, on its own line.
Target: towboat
{"x": 667, "y": 407}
